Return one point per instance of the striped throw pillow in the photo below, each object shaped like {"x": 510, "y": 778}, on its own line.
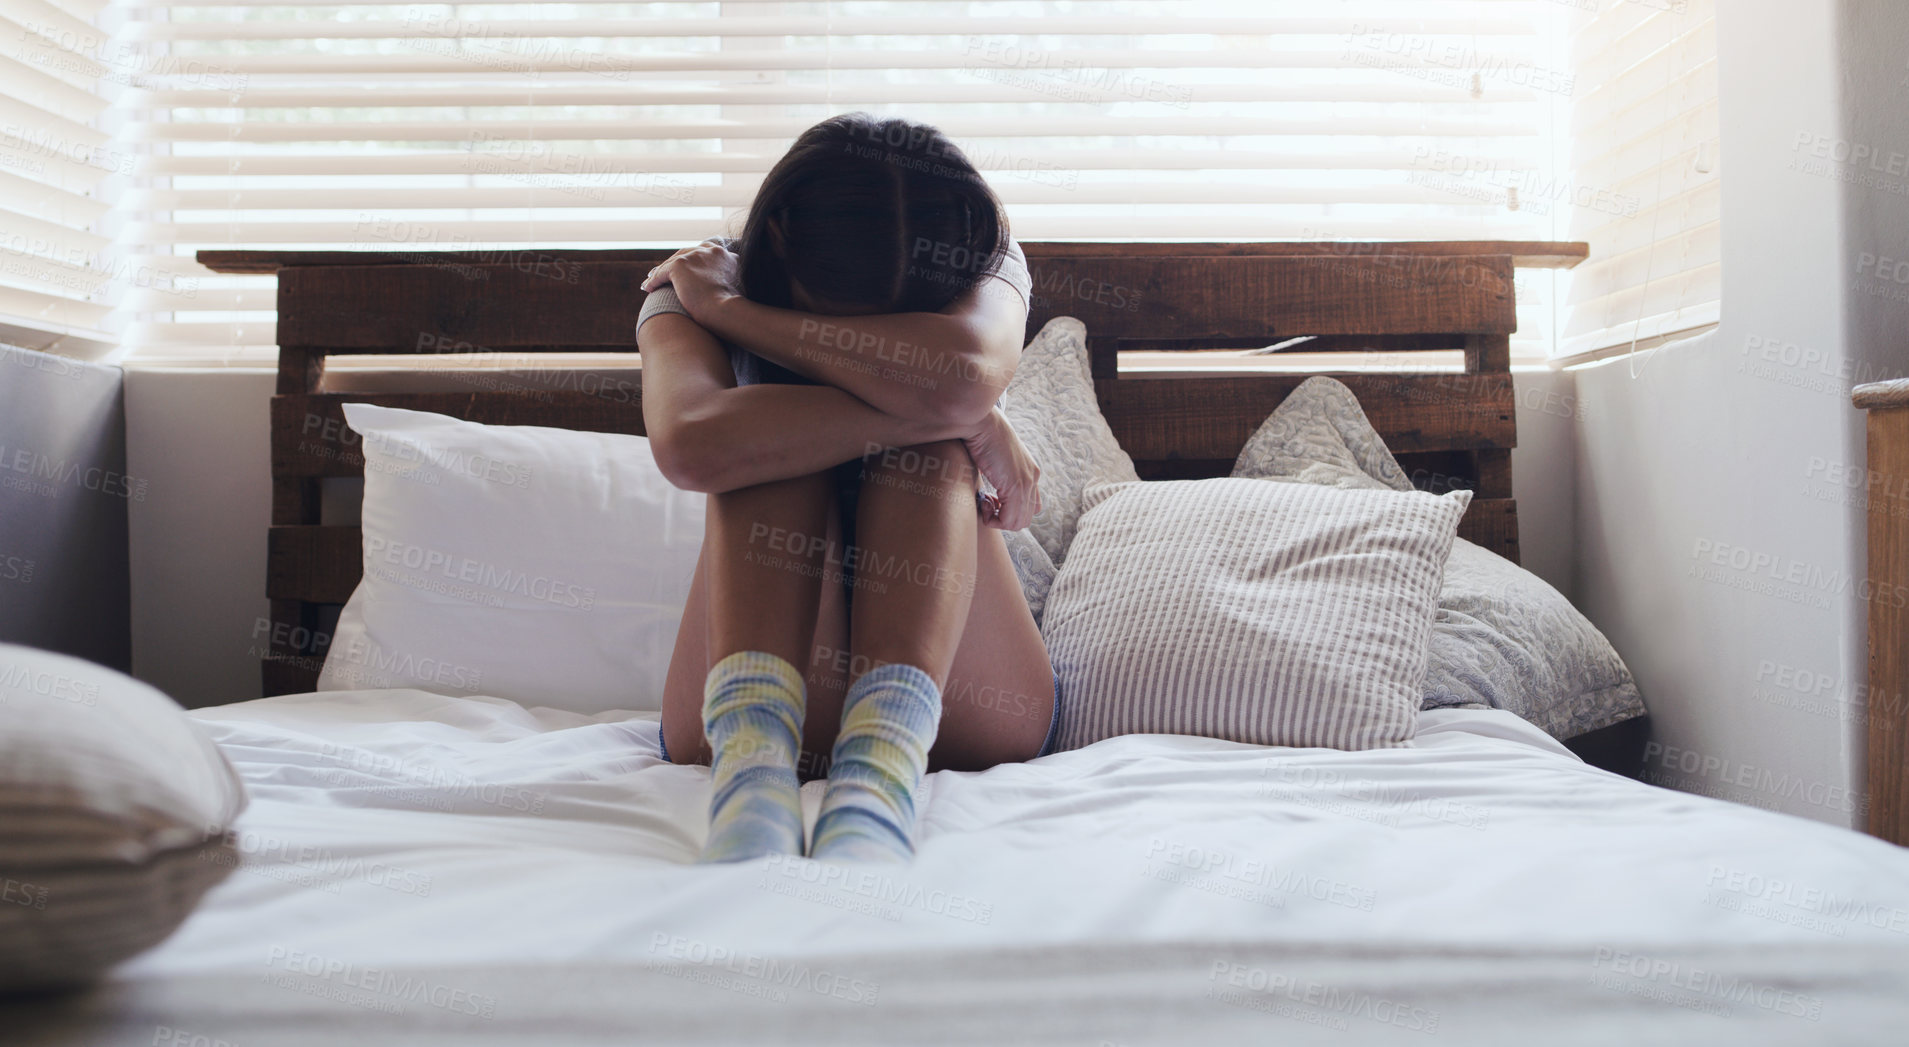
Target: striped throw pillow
{"x": 1268, "y": 613}
{"x": 114, "y": 814}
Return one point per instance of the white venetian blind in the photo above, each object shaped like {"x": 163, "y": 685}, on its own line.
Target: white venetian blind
{"x": 1644, "y": 141}
{"x": 414, "y": 127}
{"x": 58, "y": 278}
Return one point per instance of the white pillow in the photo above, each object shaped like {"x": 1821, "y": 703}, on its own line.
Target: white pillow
{"x": 1052, "y": 406}
{"x": 542, "y": 565}
{"x": 1268, "y": 613}
{"x": 115, "y": 806}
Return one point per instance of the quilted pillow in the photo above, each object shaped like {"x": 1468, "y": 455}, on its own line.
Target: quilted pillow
{"x": 1051, "y": 404}
{"x": 1272, "y": 614}
{"x": 1503, "y": 637}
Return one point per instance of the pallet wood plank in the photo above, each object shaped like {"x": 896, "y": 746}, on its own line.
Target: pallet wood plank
{"x": 495, "y": 308}
{"x": 1183, "y": 417}
{"x": 453, "y": 307}
{"x": 314, "y": 563}
{"x": 1227, "y": 299}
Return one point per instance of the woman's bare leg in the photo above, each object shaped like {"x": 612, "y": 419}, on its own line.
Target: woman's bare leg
{"x": 696, "y": 650}
{"x": 936, "y": 590}
{"x": 998, "y": 702}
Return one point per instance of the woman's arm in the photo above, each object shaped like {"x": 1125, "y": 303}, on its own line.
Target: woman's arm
{"x": 708, "y": 435}
{"x": 949, "y": 366}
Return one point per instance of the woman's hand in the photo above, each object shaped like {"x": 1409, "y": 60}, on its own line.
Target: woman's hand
{"x": 702, "y": 276}
{"x": 1000, "y": 457}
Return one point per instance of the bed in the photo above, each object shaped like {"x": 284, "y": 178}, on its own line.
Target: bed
{"x": 417, "y": 868}
{"x": 423, "y": 869}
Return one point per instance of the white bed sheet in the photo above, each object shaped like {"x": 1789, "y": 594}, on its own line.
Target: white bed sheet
{"x": 401, "y": 827}
{"x": 463, "y": 872}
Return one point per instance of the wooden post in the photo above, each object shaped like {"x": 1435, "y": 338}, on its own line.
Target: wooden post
{"x": 1888, "y": 585}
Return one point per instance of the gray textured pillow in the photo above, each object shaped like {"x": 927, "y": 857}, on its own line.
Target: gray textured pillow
{"x": 1273, "y": 614}
{"x": 115, "y": 806}
{"x": 1052, "y": 406}
{"x": 1503, "y": 637}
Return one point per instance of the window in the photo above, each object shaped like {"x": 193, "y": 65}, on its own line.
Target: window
{"x": 59, "y": 281}
{"x": 520, "y": 126}
{"x": 1644, "y": 177}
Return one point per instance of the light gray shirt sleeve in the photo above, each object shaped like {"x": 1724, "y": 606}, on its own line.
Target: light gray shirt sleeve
{"x": 1013, "y": 272}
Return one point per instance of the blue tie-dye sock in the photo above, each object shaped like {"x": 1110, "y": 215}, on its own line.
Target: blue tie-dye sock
{"x": 752, "y": 715}
{"x": 868, "y": 810}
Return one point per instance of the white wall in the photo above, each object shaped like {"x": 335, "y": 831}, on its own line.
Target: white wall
{"x": 65, "y": 494}
{"x": 201, "y": 441}
{"x": 1718, "y": 548}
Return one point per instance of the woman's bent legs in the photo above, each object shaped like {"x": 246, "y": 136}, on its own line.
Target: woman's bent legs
{"x": 997, "y": 689}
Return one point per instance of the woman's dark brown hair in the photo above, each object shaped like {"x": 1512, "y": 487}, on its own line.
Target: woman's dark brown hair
{"x": 876, "y": 213}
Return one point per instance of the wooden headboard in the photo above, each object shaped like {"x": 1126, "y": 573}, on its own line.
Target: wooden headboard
{"x": 1447, "y": 429}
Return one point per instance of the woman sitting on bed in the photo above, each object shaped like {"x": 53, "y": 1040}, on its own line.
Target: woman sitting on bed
{"x": 830, "y": 378}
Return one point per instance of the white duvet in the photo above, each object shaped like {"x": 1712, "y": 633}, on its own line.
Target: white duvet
{"x": 399, "y": 829}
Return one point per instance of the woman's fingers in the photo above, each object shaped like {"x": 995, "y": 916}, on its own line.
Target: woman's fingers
{"x": 660, "y": 275}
